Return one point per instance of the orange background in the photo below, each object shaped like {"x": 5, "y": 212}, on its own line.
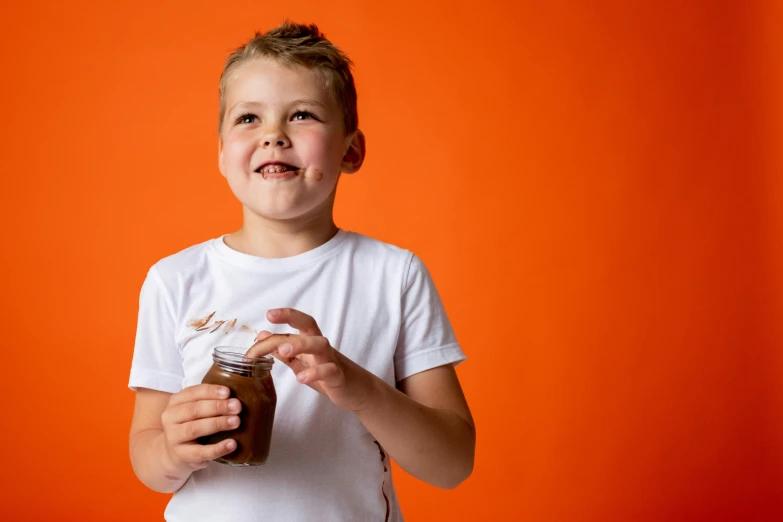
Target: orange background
{"x": 596, "y": 189}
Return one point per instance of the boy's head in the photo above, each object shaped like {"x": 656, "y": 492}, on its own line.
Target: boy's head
{"x": 287, "y": 108}
{"x": 297, "y": 44}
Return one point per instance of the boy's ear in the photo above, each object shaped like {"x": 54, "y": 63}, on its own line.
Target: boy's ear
{"x": 221, "y": 162}
{"x": 354, "y": 155}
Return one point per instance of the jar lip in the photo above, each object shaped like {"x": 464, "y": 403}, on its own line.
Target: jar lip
{"x": 236, "y": 356}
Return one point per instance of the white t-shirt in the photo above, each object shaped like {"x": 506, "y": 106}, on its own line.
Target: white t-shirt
{"x": 376, "y": 304}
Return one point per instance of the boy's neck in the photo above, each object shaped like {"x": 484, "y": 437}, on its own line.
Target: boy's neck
{"x": 278, "y": 240}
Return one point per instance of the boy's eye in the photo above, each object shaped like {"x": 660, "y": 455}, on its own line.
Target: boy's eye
{"x": 303, "y": 115}
{"x": 247, "y": 118}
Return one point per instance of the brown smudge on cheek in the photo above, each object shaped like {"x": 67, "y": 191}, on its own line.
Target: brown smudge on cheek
{"x": 313, "y": 174}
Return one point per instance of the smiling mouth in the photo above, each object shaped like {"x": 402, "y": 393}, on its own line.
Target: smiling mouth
{"x": 275, "y": 169}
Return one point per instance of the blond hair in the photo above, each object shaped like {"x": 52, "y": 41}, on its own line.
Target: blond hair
{"x": 297, "y": 44}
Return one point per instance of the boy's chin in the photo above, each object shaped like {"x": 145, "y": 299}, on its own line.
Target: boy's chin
{"x": 281, "y": 214}
{"x": 276, "y": 214}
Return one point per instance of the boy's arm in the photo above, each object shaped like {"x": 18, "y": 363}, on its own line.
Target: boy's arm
{"x": 426, "y": 426}
{"x": 163, "y": 450}
{"x": 148, "y": 454}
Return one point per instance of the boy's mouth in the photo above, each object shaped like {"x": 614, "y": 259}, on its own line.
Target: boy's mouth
{"x": 273, "y": 168}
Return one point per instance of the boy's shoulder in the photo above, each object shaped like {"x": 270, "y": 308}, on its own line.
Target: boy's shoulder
{"x": 185, "y": 260}
{"x": 376, "y": 247}
{"x": 391, "y": 257}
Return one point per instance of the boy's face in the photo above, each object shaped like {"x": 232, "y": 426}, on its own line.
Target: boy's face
{"x": 282, "y": 118}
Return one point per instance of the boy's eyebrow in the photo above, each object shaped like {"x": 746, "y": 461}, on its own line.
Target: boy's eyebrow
{"x": 309, "y": 102}
{"x": 312, "y": 102}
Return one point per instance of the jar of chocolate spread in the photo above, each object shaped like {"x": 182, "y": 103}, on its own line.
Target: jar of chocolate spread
{"x": 250, "y": 381}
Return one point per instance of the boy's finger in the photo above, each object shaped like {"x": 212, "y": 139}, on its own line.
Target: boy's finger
{"x": 297, "y": 365}
{"x": 267, "y": 345}
{"x": 197, "y": 453}
{"x": 317, "y": 346}
{"x": 190, "y": 431}
{"x": 263, "y": 334}
{"x": 203, "y": 409}
{"x": 329, "y": 373}
{"x": 295, "y": 319}
{"x": 199, "y": 392}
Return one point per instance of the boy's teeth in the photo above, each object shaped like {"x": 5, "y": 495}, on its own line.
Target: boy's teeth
{"x": 275, "y": 168}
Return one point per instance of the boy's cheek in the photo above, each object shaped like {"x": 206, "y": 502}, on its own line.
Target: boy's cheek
{"x": 322, "y": 153}
{"x": 235, "y": 152}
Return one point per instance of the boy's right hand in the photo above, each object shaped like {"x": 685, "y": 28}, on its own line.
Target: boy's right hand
{"x": 195, "y": 412}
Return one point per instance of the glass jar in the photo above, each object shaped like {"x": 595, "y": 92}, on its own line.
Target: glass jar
{"x": 250, "y": 381}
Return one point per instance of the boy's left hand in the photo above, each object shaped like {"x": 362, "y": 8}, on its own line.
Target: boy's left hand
{"x": 314, "y": 361}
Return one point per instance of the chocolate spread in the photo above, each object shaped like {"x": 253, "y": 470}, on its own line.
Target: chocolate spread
{"x": 253, "y": 386}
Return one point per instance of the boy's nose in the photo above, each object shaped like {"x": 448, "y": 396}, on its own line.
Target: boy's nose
{"x": 274, "y": 137}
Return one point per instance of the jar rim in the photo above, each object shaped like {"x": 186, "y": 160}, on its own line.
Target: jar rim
{"x": 235, "y": 356}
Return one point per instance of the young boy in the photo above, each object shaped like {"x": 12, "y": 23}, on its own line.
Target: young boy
{"x": 369, "y": 371}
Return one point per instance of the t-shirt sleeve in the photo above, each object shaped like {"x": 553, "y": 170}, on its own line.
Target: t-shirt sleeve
{"x": 157, "y": 363}
{"x": 426, "y": 337}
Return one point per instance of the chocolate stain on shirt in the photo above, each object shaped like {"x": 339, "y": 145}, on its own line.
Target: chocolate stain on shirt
{"x": 204, "y": 324}
{"x": 229, "y": 326}
{"x": 218, "y": 324}
{"x": 198, "y": 324}
{"x": 383, "y": 462}
{"x": 246, "y": 328}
